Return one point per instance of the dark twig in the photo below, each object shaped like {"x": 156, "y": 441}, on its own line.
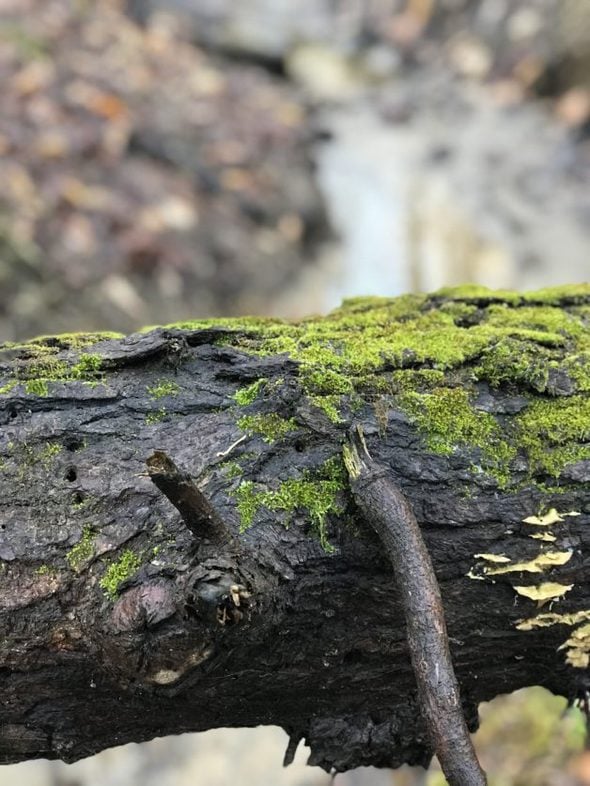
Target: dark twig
{"x": 182, "y": 491}
{"x": 384, "y": 506}
{"x": 292, "y": 745}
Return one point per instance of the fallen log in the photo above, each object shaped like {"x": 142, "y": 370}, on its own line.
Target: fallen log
{"x": 180, "y": 549}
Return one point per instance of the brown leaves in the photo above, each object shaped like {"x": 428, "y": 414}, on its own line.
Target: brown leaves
{"x": 127, "y": 151}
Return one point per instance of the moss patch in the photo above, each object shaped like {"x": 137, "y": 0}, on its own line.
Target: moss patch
{"x": 512, "y": 361}
{"x": 37, "y": 366}
{"x": 156, "y": 417}
{"x": 87, "y": 367}
{"x": 8, "y": 388}
{"x": 577, "y": 368}
{"x": 318, "y": 493}
{"x": 432, "y": 356}
{"x": 37, "y": 387}
{"x": 269, "y": 426}
{"x": 501, "y": 334}
{"x": 28, "y": 457}
{"x": 250, "y": 393}
{"x": 448, "y": 420}
{"x": 70, "y": 340}
{"x": 116, "y": 573}
{"x": 577, "y": 293}
{"x": 477, "y": 293}
{"x": 232, "y": 469}
{"x": 163, "y": 388}
{"x": 78, "y": 556}
{"x": 553, "y": 433}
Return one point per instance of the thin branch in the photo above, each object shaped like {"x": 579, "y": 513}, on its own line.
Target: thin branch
{"x": 182, "y": 491}
{"x": 385, "y": 508}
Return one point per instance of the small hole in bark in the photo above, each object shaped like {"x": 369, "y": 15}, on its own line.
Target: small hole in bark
{"x": 73, "y": 443}
{"x": 299, "y": 446}
{"x": 78, "y": 498}
{"x": 12, "y": 413}
{"x": 2, "y": 526}
{"x": 71, "y": 474}
{"x": 352, "y": 657}
{"x": 190, "y": 611}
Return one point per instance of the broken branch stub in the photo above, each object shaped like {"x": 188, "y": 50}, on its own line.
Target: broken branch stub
{"x": 182, "y": 491}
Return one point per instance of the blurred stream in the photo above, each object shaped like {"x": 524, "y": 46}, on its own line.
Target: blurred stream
{"x": 363, "y": 175}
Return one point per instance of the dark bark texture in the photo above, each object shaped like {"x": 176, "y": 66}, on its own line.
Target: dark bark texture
{"x": 175, "y": 558}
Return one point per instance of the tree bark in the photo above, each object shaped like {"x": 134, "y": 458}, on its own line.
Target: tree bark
{"x": 179, "y": 548}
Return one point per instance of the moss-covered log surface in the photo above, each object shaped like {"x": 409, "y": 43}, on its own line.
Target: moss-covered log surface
{"x": 118, "y": 624}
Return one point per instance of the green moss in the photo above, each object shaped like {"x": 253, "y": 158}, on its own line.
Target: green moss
{"x": 74, "y": 340}
{"x": 330, "y": 406}
{"x": 45, "y": 368}
{"x": 349, "y": 350}
{"x": 51, "y": 345}
{"x": 35, "y": 371}
{"x": 567, "y": 293}
{"x": 87, "y": 368}
{"x": 434, "y": 357}
{"x": 43, "y": 570}
{"x": 418, "y": 352}
{"x": 549, "y": 319}
{"x": 250, "y": 393}
{"x": 460, "y": 311}
{"x": 8, "y": 388}
{"x": 577, "y": 368}
{"x": 327, "y": 383}
{"x": 232, "y": 469}
{"x": 478, "y": 293}
{"x": 163, "y": 388}
{"x": 553, "y": 432}
{"x": 398, "y": 308}
{"x": 156, "y": 417}
{"x": 37, "y": 387}
{"x": 27, "y": 456}
{"x": 78, "y": 556}
{"x": 448, "y": 421}
{"x": 38, "y": 455}
{"x": 550, "y": 433}
{"x": 269, "y": 426}
{"x": 217, "y": 323}
{"x": 249, "y": 497}
{"x": 118, "y": 572}
{"x": 415, "y": 380}
{"x": 512, "y": 361}
{"x": 49, "y": 452}
{"x": 318, "y": 493}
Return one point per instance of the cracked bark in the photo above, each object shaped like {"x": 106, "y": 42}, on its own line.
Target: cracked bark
{"x": 264, "y": 627}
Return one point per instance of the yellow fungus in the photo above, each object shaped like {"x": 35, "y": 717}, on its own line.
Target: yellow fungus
{"x": 549, "y": 619}
{"x": 547, "y": 559}
{"x": 546, "y": 591}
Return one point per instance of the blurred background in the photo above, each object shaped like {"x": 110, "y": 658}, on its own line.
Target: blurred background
{"x": 167, "y": 159}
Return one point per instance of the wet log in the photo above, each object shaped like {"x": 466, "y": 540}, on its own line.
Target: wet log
{"x": 180, "y": 548}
